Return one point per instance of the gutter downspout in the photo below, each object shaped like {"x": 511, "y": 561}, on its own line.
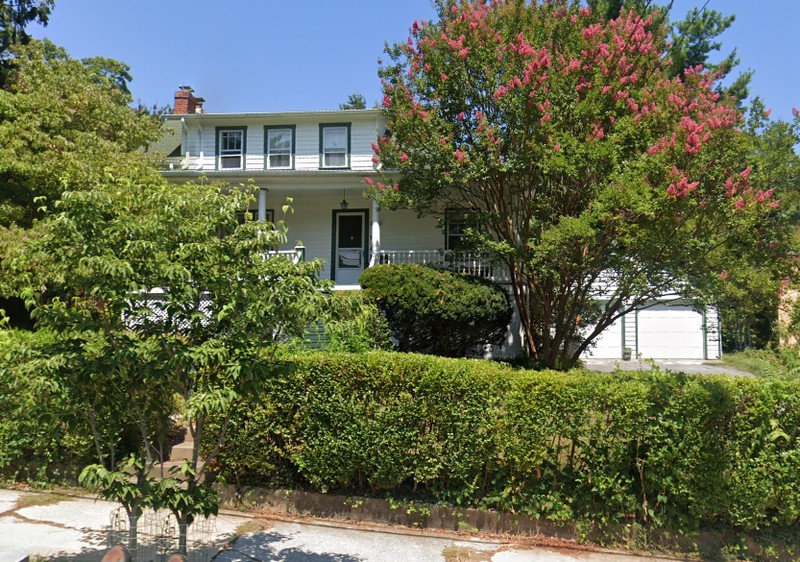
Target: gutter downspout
{"x": 184, "y": 144}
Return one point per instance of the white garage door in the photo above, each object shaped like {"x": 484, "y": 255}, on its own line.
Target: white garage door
{"x": 609, "y": 343}
{"x": 670, "y": 332}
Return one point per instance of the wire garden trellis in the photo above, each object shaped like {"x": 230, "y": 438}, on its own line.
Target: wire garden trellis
{"x": 158, "y": 534}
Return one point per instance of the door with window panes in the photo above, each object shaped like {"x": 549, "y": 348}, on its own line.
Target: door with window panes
{"x": 350, "y": 246}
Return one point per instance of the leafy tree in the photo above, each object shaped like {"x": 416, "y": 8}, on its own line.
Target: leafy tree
{"x": 15, "y": 15}
{"x": 67, "y": 124}
{"x": 354, "y": 101}
{"x": 599, "y": 180}
{"x": 147, "y": 302}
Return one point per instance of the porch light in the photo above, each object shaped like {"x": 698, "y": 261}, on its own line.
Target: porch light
{"x": 344, "y": 204}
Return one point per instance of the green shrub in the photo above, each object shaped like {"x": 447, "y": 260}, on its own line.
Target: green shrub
{"x": 438, "y": 312}
{"x": 42, "y": 438}
{"x": 661, "y": 450}
{"x": 355, "y": 324}
{"x": 769, "y": 363}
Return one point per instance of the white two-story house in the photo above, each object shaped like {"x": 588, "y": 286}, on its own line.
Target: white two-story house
{"x": 320, "y": 160}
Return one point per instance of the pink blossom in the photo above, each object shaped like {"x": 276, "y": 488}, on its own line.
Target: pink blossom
{"x": 463, "y": 52}
{"x": 396, "y": 187}
{"x": 460, "y": 156}
{"x": 795, "y": 112}
{"x": 724, "y": 275}
{"x": 592, "y": 30}
{"x": 444, "y": 77}
{"x": 375, "y": 147}
{"x": 739, "y": 203}
{"x": 692, "y": 145}
{"x": 557, "y": 147}
{"x": 461, "y": 116}
{"x": 404, "y": 157}
{"x": 775, "y": 204}
{"x": 387, "y": 101}
{"x": 376, "y": 160}
{"x": 369, "y": 181}
{"x": 767, "y": 113}
{"x": 745, "y": 173}
{"x": 443, "y": 141}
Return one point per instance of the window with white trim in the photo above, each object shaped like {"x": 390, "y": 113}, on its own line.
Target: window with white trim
{"x": 455, "y": 227}
{"x": 231, "y": 148}
{"x": 279, "y": 147}
{"x": 334, "y": 146}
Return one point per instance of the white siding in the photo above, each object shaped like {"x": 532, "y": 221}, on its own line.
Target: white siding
{"x": 364, "y": 130}
{"x": 362, "y": 135}
{"x": 402, "y": 230}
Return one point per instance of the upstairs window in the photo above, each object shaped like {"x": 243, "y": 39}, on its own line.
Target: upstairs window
{"x": 334, "y": 145}
{"x": 231, "y": 148}
{"x": 279, "y": 147}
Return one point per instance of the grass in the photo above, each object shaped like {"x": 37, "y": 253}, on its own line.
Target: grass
{"x": 34, "y": 499}
{"x": 251, "y": 526}
{"x": 765, "y": 363}
{"x": 466, "y": 554}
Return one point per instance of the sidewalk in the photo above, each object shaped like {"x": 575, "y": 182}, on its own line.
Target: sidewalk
{"x": 72, "y": 529}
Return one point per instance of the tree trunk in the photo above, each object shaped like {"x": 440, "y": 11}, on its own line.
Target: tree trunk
{"x": 133, "y": 530}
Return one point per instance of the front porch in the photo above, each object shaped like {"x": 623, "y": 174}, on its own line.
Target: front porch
{"x": 351, "y": 234}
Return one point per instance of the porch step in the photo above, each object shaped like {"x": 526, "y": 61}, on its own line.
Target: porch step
{"x": 182, "y": 451}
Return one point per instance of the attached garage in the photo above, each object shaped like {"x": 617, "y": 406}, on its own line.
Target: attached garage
{"x": 609, "y": 343}
{"x": 670, "y": 332}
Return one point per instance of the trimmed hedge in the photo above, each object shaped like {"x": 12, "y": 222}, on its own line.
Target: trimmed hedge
{"x": 436, "y": 311}
{"x": 659, "y": 450}
{"x": 42, "y": 438}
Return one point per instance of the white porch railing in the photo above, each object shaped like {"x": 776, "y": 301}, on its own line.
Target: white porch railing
{"x": 472, "y": 263}
{"x": 297, "y": 255}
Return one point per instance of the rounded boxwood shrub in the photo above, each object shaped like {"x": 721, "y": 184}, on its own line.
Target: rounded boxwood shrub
{"x": 438, "y": 312}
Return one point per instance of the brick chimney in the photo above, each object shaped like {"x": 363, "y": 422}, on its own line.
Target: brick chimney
{"x": 187, "y": 102}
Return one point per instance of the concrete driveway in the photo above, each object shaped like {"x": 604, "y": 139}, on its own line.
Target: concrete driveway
{"x": 75, "y": 529}
{"x": 688, "y": 366}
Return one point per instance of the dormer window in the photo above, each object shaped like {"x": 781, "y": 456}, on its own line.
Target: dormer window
{"x": 231, "y": 145}
{"x": 334, "y": 145}
{"x": 279, "y": 147}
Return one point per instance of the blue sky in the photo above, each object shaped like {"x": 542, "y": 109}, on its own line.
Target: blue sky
{"x": 278, "y": 55}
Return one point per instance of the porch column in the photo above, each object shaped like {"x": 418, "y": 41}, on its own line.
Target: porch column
{"x": 374, "y": 257}
{"x": 262, "y": 204}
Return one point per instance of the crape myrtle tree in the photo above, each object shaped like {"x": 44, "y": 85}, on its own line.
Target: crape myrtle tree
{"x": 156, "y": 298}
{"x": 597, "y": 177}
